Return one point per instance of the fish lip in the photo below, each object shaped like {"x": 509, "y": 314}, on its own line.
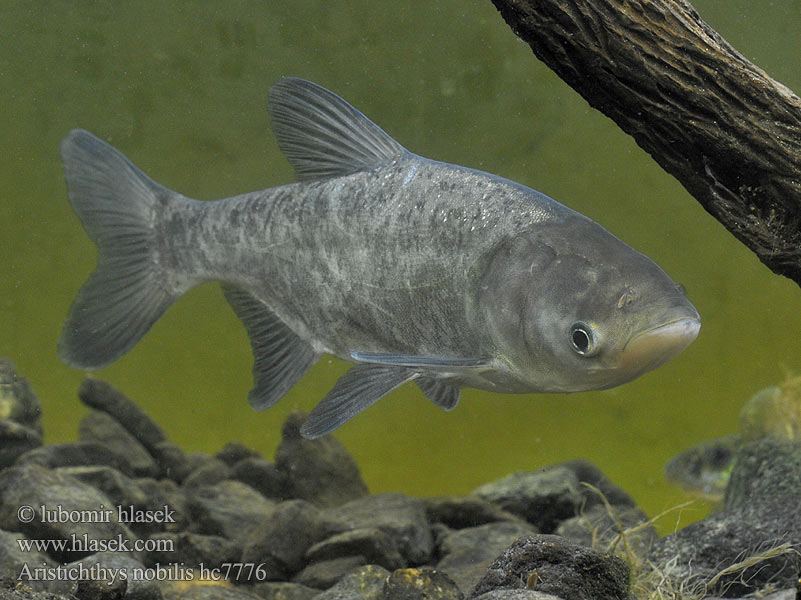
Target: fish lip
{"x": 656, "y": 345}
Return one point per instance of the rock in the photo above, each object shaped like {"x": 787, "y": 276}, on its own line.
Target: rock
{"x": 364, "y": 583}
{"x": 595, "y": 527}
{"x": 233, "y": 452}
{"x": 373, "y": 544}
{"x": 553, "y": 565}
{"x": 66, "y": 499}
{"x": 103, "y": 396}
{"x": 229, "y": 509}
{"x": 424, "y": 583}
{"x": 517, "y": 595}
{"x": 73, "y": 454}
{"x": 281, "y": 590}
{"x": 459, "y": 512}
{"x": 588, "y": 473}
{"x": 172, "y": 461}
{"x": 320, "y": 471}
{"x": 543, "y": 498}
{"x": 19, "y": 565}
{"x": 193, "y": 549}
{"x": 211, "y": 472}
{"x": 94, "y": 589}
{"x": 16, "y": 440}
{"x": 122, "y": 491}
{"x": 196, "y": 590}
{"x": 402, "y": 518}
{"x": 263, "y": 476}
{"x": 324, "y": 574}
{"x": 280, "y": 543}
{"x": 761, "y": 510}
{"x": 166, "y": 493}
{"x": 466, "y": 553}
{"x": 113, "y": 566}
{"x": 18, "y": 403}
{"x": 100, "y": 427}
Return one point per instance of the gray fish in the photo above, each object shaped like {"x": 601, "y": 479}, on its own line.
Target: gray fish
{"x": 414, "y": 269}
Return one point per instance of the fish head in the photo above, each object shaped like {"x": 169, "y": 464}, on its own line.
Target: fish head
{"x": 571, "y": 308}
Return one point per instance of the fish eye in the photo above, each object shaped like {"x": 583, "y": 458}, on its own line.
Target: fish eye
{"x": 582, "y": 339}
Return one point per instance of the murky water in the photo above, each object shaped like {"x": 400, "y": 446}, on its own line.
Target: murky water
{"x": 181, "y": 89}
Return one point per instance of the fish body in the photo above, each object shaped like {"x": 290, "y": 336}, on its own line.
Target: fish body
{"x": 414, "y": 269}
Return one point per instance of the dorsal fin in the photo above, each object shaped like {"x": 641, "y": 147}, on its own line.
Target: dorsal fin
{"x": 322, "y": 135}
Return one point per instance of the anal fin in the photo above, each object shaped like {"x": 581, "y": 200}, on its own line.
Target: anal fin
{"x": 356, "y": 390}
{"x": 441, "y": 393}
{"x": 281, "y": 358}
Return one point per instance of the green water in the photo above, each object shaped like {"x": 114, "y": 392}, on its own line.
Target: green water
{"x": 181, "y": 88}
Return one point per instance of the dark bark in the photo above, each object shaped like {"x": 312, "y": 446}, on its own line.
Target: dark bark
{"x": 715, "y": 121}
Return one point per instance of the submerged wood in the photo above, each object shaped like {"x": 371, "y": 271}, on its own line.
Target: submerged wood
{"x": 718, "y": 123}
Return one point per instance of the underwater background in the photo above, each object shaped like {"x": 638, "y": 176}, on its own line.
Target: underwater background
{"x": 181, "y": 89}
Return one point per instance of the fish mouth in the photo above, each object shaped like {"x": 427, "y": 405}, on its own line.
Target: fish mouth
{"x": 656, "y": 346}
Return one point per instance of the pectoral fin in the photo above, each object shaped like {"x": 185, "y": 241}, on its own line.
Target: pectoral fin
{"x": 281, "y": 358}
{"x": 356, "y": 390}
{"x": 423, "y": 363}
{"x": 441, "y": 393}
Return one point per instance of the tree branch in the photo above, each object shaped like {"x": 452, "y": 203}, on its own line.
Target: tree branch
{"x": 715, "y": 121}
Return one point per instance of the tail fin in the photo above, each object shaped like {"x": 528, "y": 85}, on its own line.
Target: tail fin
{"x": 126, "y": 294}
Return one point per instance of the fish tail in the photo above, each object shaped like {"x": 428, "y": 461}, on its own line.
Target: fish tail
{"x": 127, "y": 292}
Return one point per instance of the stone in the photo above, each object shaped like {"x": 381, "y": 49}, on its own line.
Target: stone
{"x": 588, "y": 473}
{"x": 372, "y": 543}
{"x": 761, "y": 510}
{"x": 122, "y": 491}
{"x": 197, "y": 590}
{"x": 166, "y": 493}
{"x": 517, "y": 595}
{"x": 18, "y": 403}
{"x": 233, "y": 452}
{"x": 402, "y": 518}
{"x": 282, "y": 590}
{"x": 113, "y": 566}
{"x": 73, "y": 454}
{"x": 321, "y": 471}
{"x": 18, "y": 565}
{"x": 459, "y": 512}
{"x": 263, "y": 476}
{"x": 95, "y": 589}
{"x": 100, "y": 427}
{"x": 467, "y": 553}
{"x": 15, "y": 440}
{"x": 280, "y": 543}
{"x": 193, "y": 549}
{"x": 597, "y": 528}
{"x": 543, "y": 498}
{"x": 422, "y": 583}
{"x": 229, "y": 509}
{"x": 324, "y": 574}
{"x": 553, "y": 565}
{"x": 65, "y": 499}
{"x": 172, "y": 461}
{"x": 210, "y": 472}
{"x": 364, "y": 583}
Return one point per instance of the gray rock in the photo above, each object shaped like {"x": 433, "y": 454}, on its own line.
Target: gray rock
{"x": 17, "y": 400}
{"x": 467, "y": 553}
{"x": 19, "y": 565}
{"x": 282, "y": 590}
{"x": 192, "y": 549}
{"x": 15, "y": 440}
{"x": 196, "y": 590}
{"x": 517, "y": 595}
{"x": 324, "y": 574}
{"x": 263, "y": 476}
{"x": 459, "y": 512}
{"x": 112, "y": 566}
{"x": 553, "y": 565}
{"x": 588, "y": 473}
{"x": 233, "y": 452}
{"x": 595, "y": 527}
{"x": 364, "y": 583}
{"x": 229, "y": 509}
{"x": 423, "y": 583}
{"x": 74, "y": 454}
{"x": 761, "y": 510}
{"x": 99, "y": 426}
{"x": 162, "y": 494}
{"x": 172, "y": 461}
{"x": 64, "y": 498}
{"x": 95, "y": 589}
{"x": 373, "y": 544}
{"x": 280, "y": 542}
{"x": 402, "y": 518}
{"x": 210, "y": 472}
{"x": 321, "y": 471}
{"x": 543, "y": 498}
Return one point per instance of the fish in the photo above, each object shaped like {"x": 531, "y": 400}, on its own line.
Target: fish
{"x": 412, "y": 269}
